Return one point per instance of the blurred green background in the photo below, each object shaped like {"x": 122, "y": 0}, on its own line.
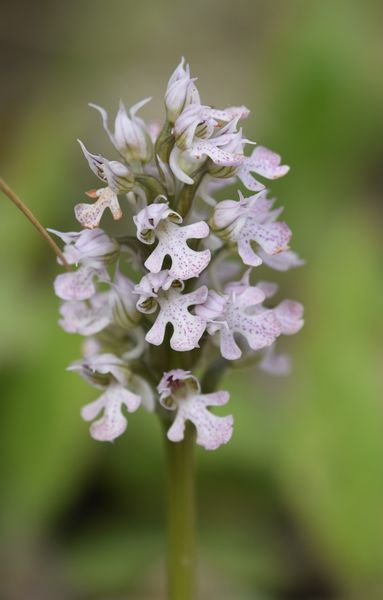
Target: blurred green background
{"x": 292, "y": 508}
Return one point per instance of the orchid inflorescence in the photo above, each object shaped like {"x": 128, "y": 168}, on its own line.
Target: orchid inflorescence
{"x": 185, "y": 246}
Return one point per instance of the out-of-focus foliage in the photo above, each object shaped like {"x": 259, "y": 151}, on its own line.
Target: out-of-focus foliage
{"x": 293, "y": 506}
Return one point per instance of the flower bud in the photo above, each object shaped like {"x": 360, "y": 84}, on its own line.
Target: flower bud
{"x": 117, "y": 175}
{"x": 180, "y": 92}
{"x": 131, "y": 136}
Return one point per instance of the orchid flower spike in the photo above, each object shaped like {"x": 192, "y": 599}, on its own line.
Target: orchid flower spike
{"x": 178, "y": 274}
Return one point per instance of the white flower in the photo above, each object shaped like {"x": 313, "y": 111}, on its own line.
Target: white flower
{"x": 240, "y": 312}
{"x": 174, "y": 305}
{"x": 283, "y": 261}
{"x": 131, "y": 136}
{"x": 185, "y": 162}
{"x": 251, "y": 221}
{"x": 274, "y": 363}
{"x": 264, "y": 162}
{"x": 158, "y": 221}
{"x": 180, "y": 391}
{"x": 85, "y": 317}
{"x": 199, "y": 134}
{"x": 121, "y": 388}
{"x": 119, "y": 179}
{"x": 112, "y": 172}
{"x": 117, "y": 306}
{"x": 180, "y": 91}
{"x": 91, "y": 250}
{"x": 289, "y": 314}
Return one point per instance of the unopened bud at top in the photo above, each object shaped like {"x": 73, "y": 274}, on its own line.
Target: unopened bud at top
{"x": 180, "y": 92}
{"x": 131, "y": 137}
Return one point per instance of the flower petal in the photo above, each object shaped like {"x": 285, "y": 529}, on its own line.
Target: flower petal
{"x": 212, "y": 431}
{"x": 77, "y": 285}
{"x": 78, "y": 317}
{"x": 89, "y": 215}
{"x": 113, "y": 423}
{"x": 187, "y": 328}
{"x": 290, "y": 316}
{"x": 283, "y": 261}
{"x": 172, "y": 241}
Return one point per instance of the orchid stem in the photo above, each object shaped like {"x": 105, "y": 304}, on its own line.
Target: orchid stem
{"x": 181, "y": 517}
{"x": 30, "y": 216}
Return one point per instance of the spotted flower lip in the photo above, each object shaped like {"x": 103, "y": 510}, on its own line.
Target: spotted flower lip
{"x": 158, "y": 221}
{"x": 119, "y": 180}
{"x": 131, "y": 136}
{"x": 240, "y": 313}
{"x": 174, "y": 309}
{"x": 121, "y": 388}
{"x": 249, "y": 221}
{"x": 90, "y": 215}
{"x": 180, "y": 392}
{"x": 264, "y": 162}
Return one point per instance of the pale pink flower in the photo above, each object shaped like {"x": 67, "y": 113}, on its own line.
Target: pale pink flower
{"x": 122, "y": 389}
{"x": 264, "y": 162}
{"x": 174, "y": 309}
{"x": 250, "y": 221}
{"x": 180, "y": 392}
{"x": 158, "y": 221}
{"x": 91, "y": 250}
{"x": 240, "y": 312}
{"x": 119, "y": 180}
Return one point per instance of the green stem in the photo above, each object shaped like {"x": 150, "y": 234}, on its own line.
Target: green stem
{"x": 152, "y": 186}
{"x": 187, "y": 193}
{"x": 181, "y": 517}
{"x": 164, "y": 143}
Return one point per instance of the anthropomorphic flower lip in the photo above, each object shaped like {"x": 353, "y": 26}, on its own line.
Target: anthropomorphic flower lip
{"x": 180, "y": 392}
{"x": 119, "y": 179}
{"x": 122, "y": 389}
{"x": 264, "y": 162}
{"x": 240, "y": 313}
{"x": 158, "y": 221}
{"x": 174, "y": 309}
{"x": 251, "y": 221}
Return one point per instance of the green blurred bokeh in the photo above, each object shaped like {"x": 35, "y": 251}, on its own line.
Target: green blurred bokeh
{"x": 292, "y": 508}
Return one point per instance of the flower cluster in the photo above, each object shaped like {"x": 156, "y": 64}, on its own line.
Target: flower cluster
{"x": 179, "y": 277}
